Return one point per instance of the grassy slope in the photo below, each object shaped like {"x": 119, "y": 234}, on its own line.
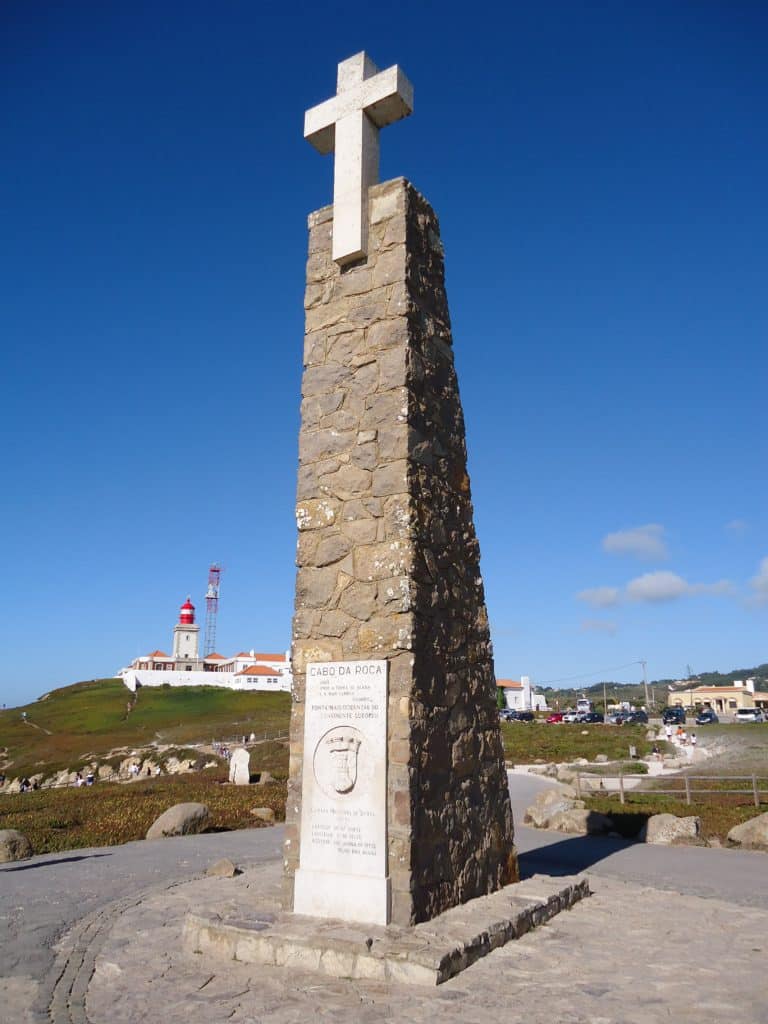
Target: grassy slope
{"x": 528, "y": 743}
{"x": 91, "y": 718}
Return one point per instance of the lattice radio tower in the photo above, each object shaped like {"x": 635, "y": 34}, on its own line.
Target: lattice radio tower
{"x": 211, "y": 608}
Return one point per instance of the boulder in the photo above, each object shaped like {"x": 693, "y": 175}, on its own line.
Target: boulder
{"x": 581, "y": 760}
{"x": 666, "y": 829}
{"x": 547, "y": 804}
{"x": 180, "y": 820}
{"x": 264, "y": 814}
{"x": 579, "y": 821}
{"x": 240, "y": 767}
{"x": 752, "y": 834}
{"x": 601, "y": 758}
{"x": 565, "y": 774}
{"x": 263, "y": 778}
{"x": 223, "y": 868}
{"x": 13, "y": 846}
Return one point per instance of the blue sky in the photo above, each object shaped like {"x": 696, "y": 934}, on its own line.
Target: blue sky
{"x": 599, "y": 171}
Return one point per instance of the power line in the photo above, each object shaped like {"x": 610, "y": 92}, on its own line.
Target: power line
{"x": 586, "y": 675}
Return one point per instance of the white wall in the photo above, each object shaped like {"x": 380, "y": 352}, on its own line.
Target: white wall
{"x": 228, "y": 680}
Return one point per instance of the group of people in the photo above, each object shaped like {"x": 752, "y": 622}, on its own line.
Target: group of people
{"x": 680, "y": 736}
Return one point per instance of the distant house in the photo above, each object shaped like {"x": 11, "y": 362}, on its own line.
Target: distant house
{"x": 723, "y": 699}
{"x": 521, "y": 696}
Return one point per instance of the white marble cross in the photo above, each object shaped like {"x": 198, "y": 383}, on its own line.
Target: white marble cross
{"x": 348, "y": 125}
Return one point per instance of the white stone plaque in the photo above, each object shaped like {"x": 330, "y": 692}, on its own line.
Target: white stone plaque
{"x": 343, "y": 858}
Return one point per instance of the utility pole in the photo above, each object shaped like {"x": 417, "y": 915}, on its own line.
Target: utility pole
{"x": 645, "y": 684}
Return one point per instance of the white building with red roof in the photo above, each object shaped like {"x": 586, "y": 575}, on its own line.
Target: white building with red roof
{"x": 246, "y": 670}
{"x": 521, "y": 696}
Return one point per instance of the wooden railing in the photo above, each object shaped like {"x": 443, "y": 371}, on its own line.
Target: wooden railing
{"x": 687, "y": 791}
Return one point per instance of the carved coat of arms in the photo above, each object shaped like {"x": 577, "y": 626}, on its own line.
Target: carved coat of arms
{"x": 336, "y": 760}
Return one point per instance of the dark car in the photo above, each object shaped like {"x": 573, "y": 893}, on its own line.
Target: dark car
{"x": 525, "y": 716}
{"x": 636, "y": 718}
{"x": 707, "y": 717}
{"x": 507, "y": 715}
{"x": 673, "y": 716}
{"x": 593, "y": 716}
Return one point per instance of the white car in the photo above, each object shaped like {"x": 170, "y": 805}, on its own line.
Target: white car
{"x": 571, "y": 716}
{"x": 750, "y": 715}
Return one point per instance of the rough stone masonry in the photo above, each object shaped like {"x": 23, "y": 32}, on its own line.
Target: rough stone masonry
{"x": 388, "y": 560}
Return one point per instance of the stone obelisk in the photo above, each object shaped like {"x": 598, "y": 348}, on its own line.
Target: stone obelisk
{"x": 398, "y": 806}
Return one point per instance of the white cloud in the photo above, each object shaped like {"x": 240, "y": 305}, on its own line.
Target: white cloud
{"x": 598, "y": 626}
{"x": 759, "y": 583}
{"x": 600, "y": 597}
{"x": 644, "y": 542}
{"x": 737, "y": 526}
{"x": 661, "y": 586}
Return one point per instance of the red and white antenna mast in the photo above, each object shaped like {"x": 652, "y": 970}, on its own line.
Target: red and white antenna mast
{"x": 211, "y": 608}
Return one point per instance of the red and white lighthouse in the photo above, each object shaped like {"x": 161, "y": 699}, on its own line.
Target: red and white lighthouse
{"x": 186, "y": 638}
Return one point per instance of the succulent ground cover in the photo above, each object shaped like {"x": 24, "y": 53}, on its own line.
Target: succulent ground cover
{"x": 107, "y": 814}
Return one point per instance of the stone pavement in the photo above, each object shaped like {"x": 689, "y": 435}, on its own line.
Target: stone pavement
{"x": 627, "y": 955}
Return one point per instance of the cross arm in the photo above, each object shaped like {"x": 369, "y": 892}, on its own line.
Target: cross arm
{"x": 386, "y": 97}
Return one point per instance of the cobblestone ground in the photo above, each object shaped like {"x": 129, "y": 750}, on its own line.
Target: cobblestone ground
{"x": 627, "y": 955}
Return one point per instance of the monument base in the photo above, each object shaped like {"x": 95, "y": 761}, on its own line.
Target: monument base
{"x": 345, "y": 897}
{"x": 424, "y": 954}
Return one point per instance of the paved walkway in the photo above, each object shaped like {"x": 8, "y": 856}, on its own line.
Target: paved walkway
{"x": 628, "y": 955}
{"x": 656, "y": 942}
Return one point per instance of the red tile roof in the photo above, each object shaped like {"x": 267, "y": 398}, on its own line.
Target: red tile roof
{"x": 509, "y": 684}
{"x": 268, "y": 657}
{"x": 158, "y": 654}
{"x": 258, "y": 670}
{"x": 218, "y": 657}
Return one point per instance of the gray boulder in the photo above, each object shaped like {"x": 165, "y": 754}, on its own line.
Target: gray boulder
{"x": 223, "y": 868}
{"x": 666, "y": 829}
{"x": 264, "y": 814}
{"x": 547, "y": 804}
{"x": 752, "y": 834}
{"x": 13, "y": 846}
{"x": 579, "y": 821}
{"x": 601, "y": 758}
{"x": 180, "y": 820}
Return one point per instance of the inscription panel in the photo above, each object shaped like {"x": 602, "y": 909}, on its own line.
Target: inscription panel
{"x": 343, "y": 819}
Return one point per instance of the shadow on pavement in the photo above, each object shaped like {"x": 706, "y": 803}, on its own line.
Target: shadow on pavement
{"x": 59, "y": 860}
{"x": 569, "y": 856}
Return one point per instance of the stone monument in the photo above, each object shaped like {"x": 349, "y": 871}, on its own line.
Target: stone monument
{"x": 398, "y": 806}
{"x": 240, "y": 767}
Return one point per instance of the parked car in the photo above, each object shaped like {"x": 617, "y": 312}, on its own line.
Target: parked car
{"x": 673, "y": 716}
{"x": 636, "y": 718}
{"x": 571, "y": 716}
{"x": 555, "y": 717}
{"x": 507, "y": 714}
{"x": 593, "y": 716}
{"x": 707, "y": 717}
{"x": 750, "y": 715}
{"x": 525, "y": 716}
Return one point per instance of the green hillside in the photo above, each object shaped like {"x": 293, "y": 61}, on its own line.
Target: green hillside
{"x": 92, "y": 718}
